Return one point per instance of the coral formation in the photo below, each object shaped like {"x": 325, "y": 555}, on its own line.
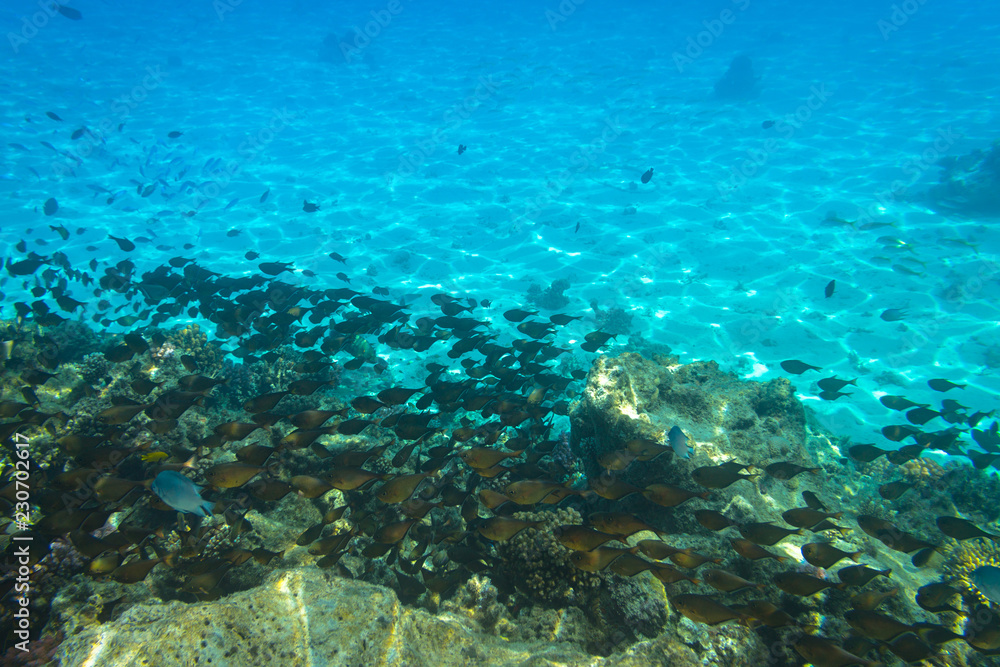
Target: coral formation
{"x": 969, "y": 184}
{"x": 551, "y": 298}
{"x": 961, "y": 559}
{"x": 541, "y": 566}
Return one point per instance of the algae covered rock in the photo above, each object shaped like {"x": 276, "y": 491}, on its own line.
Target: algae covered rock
{"x": 969, "y": 184}
{"x": 630, "y": 397}
{"x": 301, "y": 617}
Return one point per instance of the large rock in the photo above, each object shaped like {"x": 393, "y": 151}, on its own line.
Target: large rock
{"x": 301, "y": 617}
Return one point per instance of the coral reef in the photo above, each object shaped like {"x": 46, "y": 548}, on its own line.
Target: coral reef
{"x": 541, "y": 566}
{"x": 191, "y": 341}
{"x": 969, "y": 184}
{"x": 962, "y": 558}
{"x": 551, "y": 298}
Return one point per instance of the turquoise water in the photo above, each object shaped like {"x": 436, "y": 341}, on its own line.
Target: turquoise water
{"x": 723, "y": 255}
{"x": 502, "y": 152}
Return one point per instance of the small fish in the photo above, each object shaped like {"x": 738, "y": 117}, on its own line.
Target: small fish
{"x": 309, "y": 207}
{"x": 678, "y": 441}
{"x": 826, "y": 555}
{"x": 52, "y": 114}
{"x": 704, "y": 609}
{"x": 767, "y": 124}
{"x": 180, "y": 493}
{"x": 944, "y": 385}
{"x": 893, "y": 315}
{"x": 796, "y": 367}
{"x": 175, "y": 134}
{"x": 859, "y": 575}
{"x": 830, "y": 286}
{"x": 462, "y": 148}
{"x": 786, "y": 471}
{"x": 899, "y": 403}
{"x": 72, "y": 15}
{"x": 835, "y": 384}
{"x": 251, "y": 255}
{"x": 647, "y": 176}
{"x": 263, "y": 197}
{"x": 123, "y": 243}
{"x": 962, "y": 529}
{"x": 50, "y": 206}
{"x": 337, "y": 258}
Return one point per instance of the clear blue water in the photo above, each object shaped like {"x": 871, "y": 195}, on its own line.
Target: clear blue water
{"x": 724, "y": 254}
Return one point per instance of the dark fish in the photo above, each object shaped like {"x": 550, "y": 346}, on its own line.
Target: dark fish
{"x": 934, "y": 597}
{"x": 51, "y": 114}
{"x": 50, "y": 206}
{"x": 835, "y": 383}
{"x": 461, "y": 148}
{"x": 766, "y": 533}
{"x": 704, "y": 609}
{"x": 943, "y": 385}
{"x": 647, "y": 175}
{"x": 786, "y": 470}
{"x": 263, "y": 197}
{"x": 796, "y": 367}
{"x": 921, "y": 416}
{"x": 805, "y": 517}
{"x": 274, "y": 268}
{"x": 721, "y": 476}
{"x": 874, "y": 625}
{"x": 73, "y": 15}
{"x": 962, "y": 529}
{"x": 337, "y": 258}
{"x": 713, "y": 520}
{"x": 123, "y": 243}
{"x": 767, "y": 124}
{"x": 894, "y": 490}
{"x": 865, "y": 453}
{"x": 309, "y": 207}
{"x": 823, "y": 652}
{"x": 826, "y": 555}
{"x": 752, "y": 551}
{"x": 516, "y": 315}
{"x": 830, "y": 286}
{"x": 893, "y": 314}
{"x": 899, "y": 403}
{"x": 801, "y": 584}
{"x": 859, "y": 575}
{"x": 175, "y": 134}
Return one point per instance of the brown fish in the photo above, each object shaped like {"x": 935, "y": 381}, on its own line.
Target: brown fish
{"x": 670, "y": 496}
{"x": 264, "y": 402}
{"x": 799, "y": 583}
{"x": 713, "y": 520}
{"x": 766, "y": 533}
{"x": 231, "y": 475}
{"x": 612, "y": 488}
{"x": 874, "y": 625}
{"x": 657, "y": 550}
{"x": 399, "y": 489}
{"x": 501, "y": 529}
{"x": 119, "y": 414}
{"x": 727, "y": 582}
{"x": 721, "y": 476}
{"x": 865, "y": 453}
{"x": 483, "y": 457}
{"x": 350, "y": 478}
{"x": 766, "y": 612}
{"x": 691, "y": 560}
{"x": 859, "y": 575}
{"x": 872, "y": 599}
{"x": 704, "y": 609}
{"x": 530, "y": 491}
{"x": 825, "y": 555}
{"x": 669, "y": 574}
{"x": 309, "y": 487}
{"x": 393, "y": 532}
{"x": 786, "y": 470}
{"x": 618, "y": 459}
{"x": 581, "y": 538}
{"x": 134, "y": 571}
{"x": 751, "y": 551}
{"x": 598, "y": 559}
{"x": 805, "y": 517}
{"x": 962, "y": 529}
{"x": 934, "y": 597}
{"x": 894, "y": 490}
{"x": 619, "y": 523}
{"x": 629, "y": 565}
{"x": 824, "y": 653}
